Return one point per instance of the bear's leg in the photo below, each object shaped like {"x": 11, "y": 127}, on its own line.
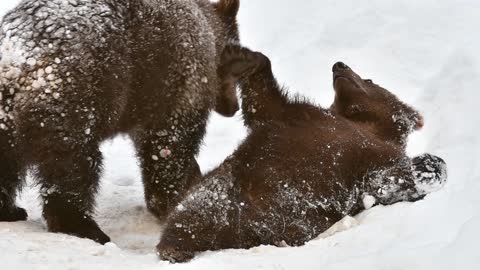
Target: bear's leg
{"x": 69, "y": 182}
{"x": 11, "y": 176}
{"x": 168, "y": 168}
{"x": 410, "y": 180}
{"x": 207, "y": 219}
{"x": 204, "y": 224}
{"x": 65, "y": 151}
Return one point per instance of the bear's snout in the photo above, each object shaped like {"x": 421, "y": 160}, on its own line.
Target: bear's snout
{"x": 342, "y": 71}
{"x": 339, "y": 66}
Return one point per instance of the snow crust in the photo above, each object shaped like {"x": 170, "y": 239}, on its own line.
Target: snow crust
{"x": 423, "y": 51}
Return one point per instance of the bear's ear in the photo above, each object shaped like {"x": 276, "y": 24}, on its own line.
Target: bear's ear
{"x": 228, "y": 8}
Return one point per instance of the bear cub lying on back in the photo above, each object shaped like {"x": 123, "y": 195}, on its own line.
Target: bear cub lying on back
{"x": 302, "y": 168}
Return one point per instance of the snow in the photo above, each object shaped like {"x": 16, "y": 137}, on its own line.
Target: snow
{"x": 424, "y": 51}
{"x": 369, "y": 201}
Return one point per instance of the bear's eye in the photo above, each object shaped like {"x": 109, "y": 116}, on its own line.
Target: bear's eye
{"x": 359, "y": 113}
{"x": 363, "y": 117}
{"x": 368, "y": 81}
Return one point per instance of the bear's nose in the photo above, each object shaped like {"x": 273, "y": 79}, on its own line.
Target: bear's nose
{"x": 339, "y": 66}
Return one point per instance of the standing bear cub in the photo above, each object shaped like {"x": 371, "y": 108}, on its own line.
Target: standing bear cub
{"x": 76, "y": 72}
{"x": 302, "y": 168}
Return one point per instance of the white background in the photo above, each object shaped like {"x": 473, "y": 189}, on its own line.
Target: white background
{"x": 424, "y": 51}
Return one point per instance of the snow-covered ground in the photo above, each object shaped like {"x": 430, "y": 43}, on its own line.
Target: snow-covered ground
{"x": 425, "y": 51}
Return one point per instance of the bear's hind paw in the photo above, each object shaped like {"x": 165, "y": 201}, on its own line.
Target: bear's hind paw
{"x": 173, "y": 255}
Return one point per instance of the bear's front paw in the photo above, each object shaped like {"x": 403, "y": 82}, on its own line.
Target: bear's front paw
{"x": 96, "y": 234}
{"x": 12, "y": 214}
{"x": 239, "y": 62}
{"x": 83, "y": 227}
{"x": 430, "y": 173}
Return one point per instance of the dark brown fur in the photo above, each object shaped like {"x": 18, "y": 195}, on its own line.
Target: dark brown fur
{"x": 74, "y": 73}
{"x": 301, "y": 169}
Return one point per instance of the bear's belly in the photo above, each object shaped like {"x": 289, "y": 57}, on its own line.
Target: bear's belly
{"x": 300, "y": 182}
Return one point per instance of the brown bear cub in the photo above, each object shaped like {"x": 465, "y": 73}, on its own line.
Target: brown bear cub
{"x": 74, "y": 73}
{"x": 302, "y": 168}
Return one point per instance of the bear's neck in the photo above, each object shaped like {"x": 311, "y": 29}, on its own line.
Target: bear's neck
{"x": 378, "y": 133}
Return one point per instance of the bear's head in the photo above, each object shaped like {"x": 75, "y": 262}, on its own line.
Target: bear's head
{"x": 368, "y": 104}
{"x": 227, "y": 11}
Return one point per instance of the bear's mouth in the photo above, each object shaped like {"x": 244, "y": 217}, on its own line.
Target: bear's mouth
{"x": 339, "y": 76}
{"x": 343, "y": 77}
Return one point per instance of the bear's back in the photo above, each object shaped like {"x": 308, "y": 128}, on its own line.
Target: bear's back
{"x": 52, "y": 49}
{"x": 45, "y": 44}
{"x": 37, "y": 29}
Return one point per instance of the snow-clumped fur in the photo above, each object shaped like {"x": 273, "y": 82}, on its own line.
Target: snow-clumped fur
{"x": 302, "y": 168}
{"x": 76, "y": 72}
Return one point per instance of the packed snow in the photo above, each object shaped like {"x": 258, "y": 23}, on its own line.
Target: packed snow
{"x": 424, "y": 51}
